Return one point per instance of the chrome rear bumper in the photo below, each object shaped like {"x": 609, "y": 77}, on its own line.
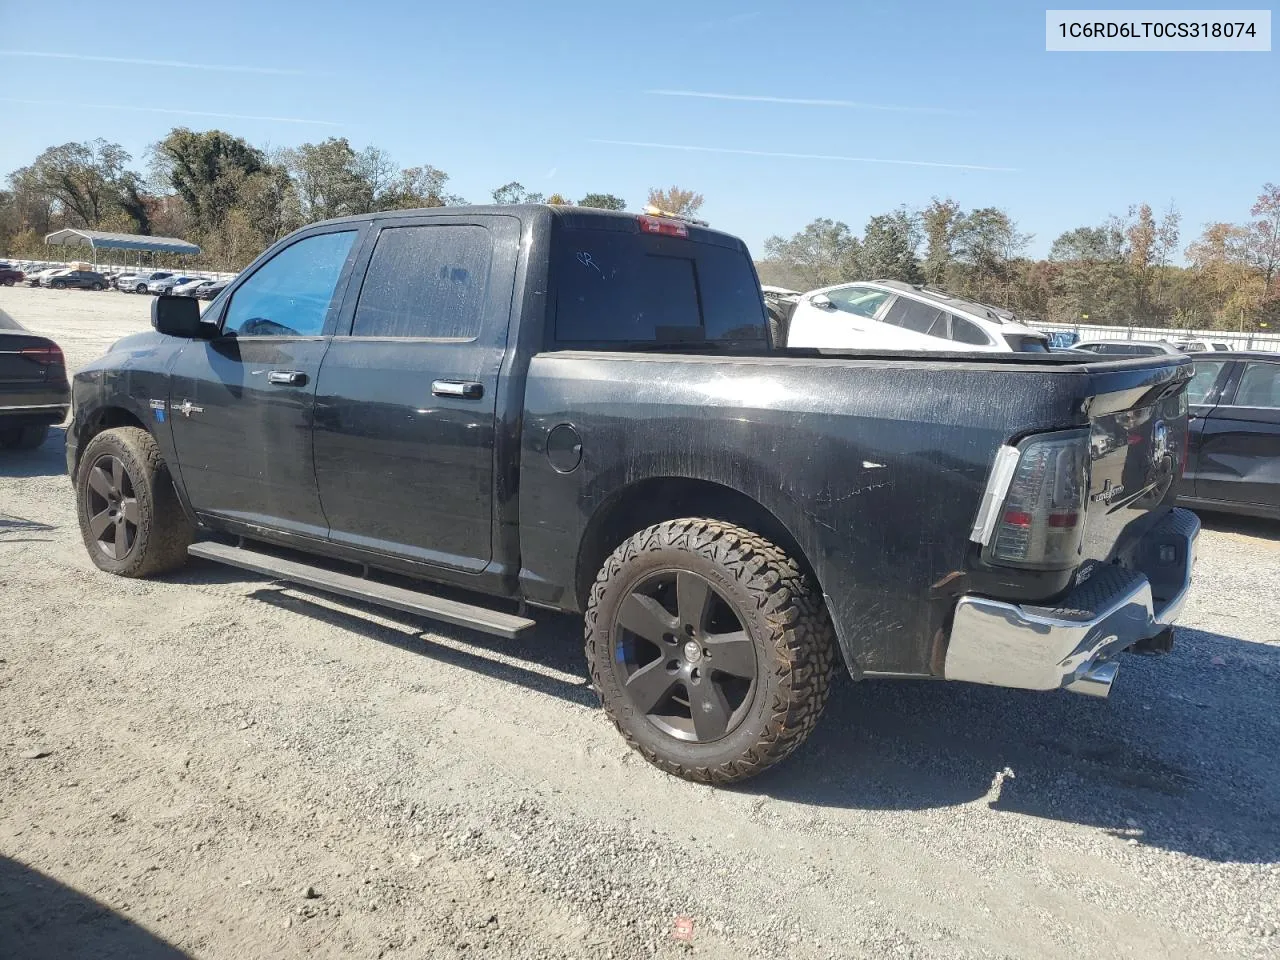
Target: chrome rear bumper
{"x": 1070, "y": 645}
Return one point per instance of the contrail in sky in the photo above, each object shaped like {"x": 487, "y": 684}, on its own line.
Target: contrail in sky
{"x": 804, "y": 156}
{"x": 180, "y": 64}
{"x": 802, "y": 101}
{"x": 179, "y": 113}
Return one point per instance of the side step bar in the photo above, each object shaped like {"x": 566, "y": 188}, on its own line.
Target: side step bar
{"x": 327, "y": 581}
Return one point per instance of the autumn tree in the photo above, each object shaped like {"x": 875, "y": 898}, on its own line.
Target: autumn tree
{"x": 986, "y": 241}
{"x": 1262, "y": 245}
{"x": 208, "y": 170}
{"x": 603, "y": 201}
{"x": 684, "y": 203}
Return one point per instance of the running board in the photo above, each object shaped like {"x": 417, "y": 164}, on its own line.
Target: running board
{"x": 358, "y": 588}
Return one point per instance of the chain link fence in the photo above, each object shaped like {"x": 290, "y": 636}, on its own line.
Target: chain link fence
{"x": 1233, "y": 340}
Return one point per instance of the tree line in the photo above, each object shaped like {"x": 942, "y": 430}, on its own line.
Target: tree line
{"x": 235, "y": 199}
{"x": 232, "y": 198}
{"x": 1119, "y": 272}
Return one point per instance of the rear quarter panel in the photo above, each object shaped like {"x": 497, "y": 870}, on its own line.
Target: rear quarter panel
{"x": 875, "y": 467}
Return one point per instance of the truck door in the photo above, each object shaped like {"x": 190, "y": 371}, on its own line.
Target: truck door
{"x": 406, "y": 403}
{"x": 241, "y": 405}
{"x": 1240, "y": 445}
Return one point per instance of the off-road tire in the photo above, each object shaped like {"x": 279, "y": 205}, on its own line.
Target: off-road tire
{"x": 23, "y": 438}
{"x": 783, "y": 612}
{"x": 163, "y": 531}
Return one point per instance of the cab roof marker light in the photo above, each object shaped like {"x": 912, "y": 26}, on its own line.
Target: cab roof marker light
{"x": 993, "y": 497}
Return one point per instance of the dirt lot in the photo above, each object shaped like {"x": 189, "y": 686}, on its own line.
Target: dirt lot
{"x": 184, "y": 761}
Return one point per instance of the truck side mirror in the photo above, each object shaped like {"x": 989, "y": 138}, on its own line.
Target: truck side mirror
{"x": 821, "y": 301}
{"x": 179, "y": 317}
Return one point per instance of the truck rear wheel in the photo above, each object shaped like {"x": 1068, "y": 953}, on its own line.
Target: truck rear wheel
{"x": 130, "y": 517}
{"x": 711, "y": 650}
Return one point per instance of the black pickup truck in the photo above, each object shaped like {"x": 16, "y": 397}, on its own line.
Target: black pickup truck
{"x": 467, "y": 413}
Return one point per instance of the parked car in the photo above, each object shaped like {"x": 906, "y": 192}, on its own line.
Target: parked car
{"x": 40, "y": 277}
{"x": 1201, "y": 346}
{"x": 166, "y": 284}
{"x": 210, "y": 289}
{"x": 189, "y": 288}
{"x": 9, "y": 274}
{"x": 137, "y": 282}
{"x": 890, "y": 315}
{"x": 1233, "y": 462}
{"x": 78, "y": 279}
{"x": 34, "y": 392}
{"x": 732, "y": 520}
{"x": 1127, "y": 348}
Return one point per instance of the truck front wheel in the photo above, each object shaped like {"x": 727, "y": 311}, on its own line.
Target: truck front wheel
{"x": 710, "y": 648}
{"x": 130, "y": 517}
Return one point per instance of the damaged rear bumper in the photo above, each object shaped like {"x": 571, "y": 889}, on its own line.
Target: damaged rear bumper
{"x": 1071, "y": 645}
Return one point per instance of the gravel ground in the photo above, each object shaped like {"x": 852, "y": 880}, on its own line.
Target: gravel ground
{"x": 215, "y": 766}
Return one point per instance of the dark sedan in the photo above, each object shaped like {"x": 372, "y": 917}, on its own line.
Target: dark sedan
{"x": 34, "y": 392}
{"x": 1233, "y": 463}
{"x": 82, "y": 279}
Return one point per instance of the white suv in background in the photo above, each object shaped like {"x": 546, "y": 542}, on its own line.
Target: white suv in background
{"x": 890, "y": 315}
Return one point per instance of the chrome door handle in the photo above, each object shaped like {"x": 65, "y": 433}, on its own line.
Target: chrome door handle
{"x": 466, "y": 389}
{"x": 287, "y": 378}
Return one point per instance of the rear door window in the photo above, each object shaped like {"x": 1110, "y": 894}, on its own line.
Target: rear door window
{"x": 425, "y": 281}
{"x": 964, "y": 331}
{"x": 616, "y": 286}
{"x": 917, "y": 317}
{"x": 1259, "y": 386}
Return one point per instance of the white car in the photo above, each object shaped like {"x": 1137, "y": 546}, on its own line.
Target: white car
{"x": 1201, "y": 346}
{"x": 166, "y": 284}
{"x": 891, "y": 315}
{"x": 137, "y": 282}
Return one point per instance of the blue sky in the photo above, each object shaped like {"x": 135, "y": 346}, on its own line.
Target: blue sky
{"x": 495, "y": 90}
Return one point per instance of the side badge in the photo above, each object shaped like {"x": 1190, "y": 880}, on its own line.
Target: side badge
{"x": 157, "y": 407}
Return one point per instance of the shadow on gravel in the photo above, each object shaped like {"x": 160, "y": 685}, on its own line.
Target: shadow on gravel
{"x": 20, "y": 530}
{"x": 50, "y": 460}
{"x": 545, "y": 654}
{"x": 39, "y": 917}
{"x": 1181, "y": 757}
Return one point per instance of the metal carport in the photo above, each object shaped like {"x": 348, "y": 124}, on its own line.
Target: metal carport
{"x": 100, "y": 240}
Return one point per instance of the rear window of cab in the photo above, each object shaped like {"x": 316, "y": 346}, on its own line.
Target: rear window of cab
{"x": 623, "y": 287}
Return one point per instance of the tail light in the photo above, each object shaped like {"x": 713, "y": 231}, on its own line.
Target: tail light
{"x": 1041, "y": 519}
{"x": 45, "y": 356}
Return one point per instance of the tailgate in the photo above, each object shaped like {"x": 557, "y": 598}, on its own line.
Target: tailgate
{"x": 1137, "y": 412}
{"x": 19, "y": 368}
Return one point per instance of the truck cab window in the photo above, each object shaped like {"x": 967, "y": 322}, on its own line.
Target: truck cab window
{"x": 290, "y": 294}
{"x": 425, "y": 281}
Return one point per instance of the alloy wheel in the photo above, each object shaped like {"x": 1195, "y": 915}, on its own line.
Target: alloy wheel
{"x": 112, "y": 507}
{"x": 684, "y": 657}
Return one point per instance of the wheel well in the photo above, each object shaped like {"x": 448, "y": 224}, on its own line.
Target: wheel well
{"x": 105, "y": 419}
{"x": 657, "y": 499}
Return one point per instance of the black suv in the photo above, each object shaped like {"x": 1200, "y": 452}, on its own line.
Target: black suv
{"x": 84, "y": 279}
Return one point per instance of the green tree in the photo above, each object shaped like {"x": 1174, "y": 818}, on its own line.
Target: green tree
{"x": 939, "y": 220}
{"x": 889, "y": 247}
{"x": 986, "y": 242}
{"x": 824, "y": 253}
{"x": 684, "y": 203}
{"x": 207, "y": 170}
{"x": 330, "y": 180}
{"x": 514, "y": 192}
{"x": 603, "y": 201}
{"x": 88, "y": 182}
